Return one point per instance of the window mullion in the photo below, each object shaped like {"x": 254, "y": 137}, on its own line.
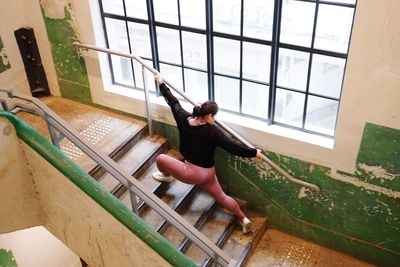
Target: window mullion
{"x": 241, "y": 58}
{"x": 103, "y": 19}
{"x": 274, "y": 59}
{"x": 181, "y": 44}
{"x": 153, "y": 37}
{"x": 310, "y": 66}
{"x": 210, "y": 49}
{"x": 129, "y": 44}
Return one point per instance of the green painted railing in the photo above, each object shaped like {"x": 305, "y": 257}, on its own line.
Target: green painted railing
{"x": 105, "y": 199}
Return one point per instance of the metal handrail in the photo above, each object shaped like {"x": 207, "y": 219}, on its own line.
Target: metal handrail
{"x": 93, "y": 189}
{"x": 134, "y": 186}
{"x": 187, "y": 98}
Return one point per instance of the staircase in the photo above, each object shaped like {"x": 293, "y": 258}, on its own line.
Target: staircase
{"x": 129, "y": 146}
{"x": 136, "y": 155}
{"x": 128, "y": 143}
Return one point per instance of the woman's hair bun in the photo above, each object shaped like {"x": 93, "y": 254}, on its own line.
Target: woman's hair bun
{"x": 197, "y": 111}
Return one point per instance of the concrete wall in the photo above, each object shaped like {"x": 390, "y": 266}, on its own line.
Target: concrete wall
{"x": 14, "y": 15}
{"x": 37, "y": 194}
{"x": 17, "y": 189}
{"x": 82, "y": 225}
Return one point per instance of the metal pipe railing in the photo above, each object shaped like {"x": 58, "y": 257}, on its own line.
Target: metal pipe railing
{"x": 187, "y": 98}
{"x": 134, "y": 186}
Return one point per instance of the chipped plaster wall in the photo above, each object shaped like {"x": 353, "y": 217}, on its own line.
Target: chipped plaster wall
{"x": 62, "y": 19}
{"x": 14, "y": 15}
{"x": 16, "y": 185}
{"x": 4, "y": 62}
{"x": 82, "y": 225}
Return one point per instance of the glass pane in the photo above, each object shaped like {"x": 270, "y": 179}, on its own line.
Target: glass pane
{"x": 256, "y": 61}
{"x": 140, "y": 39}
{"x": 150, "y": 83}
{"x": 289, "y": 107}
{"x": 258, "y": 18}
{"x": 196, "y": 84}
{"x": 342, "y": 1}
{"x": 173, "y": 75}
{"x": 255, "y": 99}
{"x": 169, "y": 48}
{"x": 113, "y": 7}
{"x": 193, "y": 13}
{"x": 326, "y": 75}
{"x": 194, "y": 50}
{"x": 226, "y": 16}
{"x": 321, "y": 115}
{"x": 166, "y": 11}
{"x": 333, "y": 28}
{"x": 136, "y": 9}
{"x": 227, "y": 93}
{"x": 226, "y": 56}
{"x": 292, "y": 69}
{"x": 118, "y": 40}
{"x": 297, "y": 22}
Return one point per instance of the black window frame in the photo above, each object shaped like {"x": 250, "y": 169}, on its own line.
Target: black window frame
{"x": 210, "y": 34}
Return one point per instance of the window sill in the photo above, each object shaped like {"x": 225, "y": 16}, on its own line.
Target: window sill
{"x": 233, "y": 119}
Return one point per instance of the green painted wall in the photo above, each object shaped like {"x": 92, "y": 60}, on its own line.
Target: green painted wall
{"x": 378, "y": 161}
{"x": 71, "y": 69}
{"x": 4, "y": 64}
{"x": 7, "y": 258}
{"x": 346, "y": 216}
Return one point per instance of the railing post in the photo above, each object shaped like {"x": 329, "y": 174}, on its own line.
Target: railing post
{"x": 132, "y": 196}
{"x": 148, "y": 108}
{"x": 53, "y": 135}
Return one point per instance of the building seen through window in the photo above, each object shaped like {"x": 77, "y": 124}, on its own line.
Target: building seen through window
{"x": 281, "y": 61}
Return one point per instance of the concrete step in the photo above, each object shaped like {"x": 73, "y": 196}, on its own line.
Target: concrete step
{"x": 133, "y": 159}
{"x": 191, "y": 212}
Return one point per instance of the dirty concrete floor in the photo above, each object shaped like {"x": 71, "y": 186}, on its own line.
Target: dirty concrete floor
{"x": 279, "y": 249}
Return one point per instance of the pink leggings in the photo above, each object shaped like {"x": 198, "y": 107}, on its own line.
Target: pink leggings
{"x": 204, "y": 177}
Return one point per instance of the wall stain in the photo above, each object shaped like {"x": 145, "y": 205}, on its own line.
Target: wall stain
{"x": 4, "y": 62}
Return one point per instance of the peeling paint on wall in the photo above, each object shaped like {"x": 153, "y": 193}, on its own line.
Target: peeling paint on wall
{"x": 364, "y": 222}
{"x": 54, "y": 9}
{"x": 71, "y": 69}
{"x": 7, "y": 258}
{"x": 378, "y": 161}
{"x": 4, "y": 63}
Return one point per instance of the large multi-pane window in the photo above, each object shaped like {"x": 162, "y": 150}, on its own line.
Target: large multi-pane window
{"x": 281, "y": 61}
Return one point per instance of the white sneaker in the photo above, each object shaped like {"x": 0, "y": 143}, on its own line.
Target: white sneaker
{"x": 246, "y": 225}
{"x": 159, "y": 176}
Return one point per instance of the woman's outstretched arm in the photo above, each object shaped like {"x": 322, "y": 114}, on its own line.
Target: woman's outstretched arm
{"x": 234, "y": 147}
{"x": 171, "y": 100}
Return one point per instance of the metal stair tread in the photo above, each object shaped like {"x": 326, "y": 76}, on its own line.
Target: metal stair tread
{"x": 172, "y": 195}
{"x": 240, "y": 246}
{"x": 131, "y": 159}
{"x": 214, "y": 227}
{"x": 191, "y": 213}
{"x": 147, "y": 179}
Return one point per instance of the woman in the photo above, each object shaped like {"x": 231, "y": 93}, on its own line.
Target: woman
{"x": 198, "y": 140}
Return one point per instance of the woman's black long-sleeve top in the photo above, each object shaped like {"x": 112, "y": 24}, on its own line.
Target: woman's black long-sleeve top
{"x": 198, "y": 143}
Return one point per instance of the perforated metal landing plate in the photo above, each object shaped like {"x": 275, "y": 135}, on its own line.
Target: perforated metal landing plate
{"x": 296, "y": 254}
{"x": 94, "y": 133}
